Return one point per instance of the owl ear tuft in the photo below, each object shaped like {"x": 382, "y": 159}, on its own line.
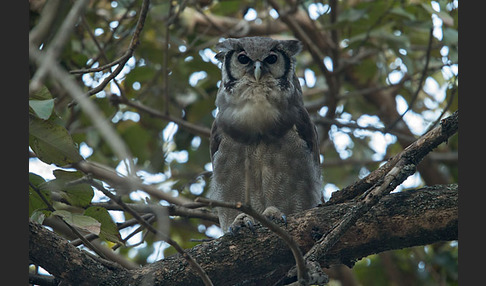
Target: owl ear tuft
{"x": 223, "y": 47}
{"x": 220, "y": 56}
{"x": 293, "y": 47}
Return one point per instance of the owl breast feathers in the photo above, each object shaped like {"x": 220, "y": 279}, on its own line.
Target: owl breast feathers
{"x": 263, "y": 142}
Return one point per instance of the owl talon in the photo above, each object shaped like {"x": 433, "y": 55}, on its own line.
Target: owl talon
{"x": 242, "y": 220}
{"x": 233, "y": 230}
{"x": 275, "y": 214}
{"x": 250, "y": 225}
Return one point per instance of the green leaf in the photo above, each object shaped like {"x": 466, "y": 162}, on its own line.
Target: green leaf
{"x": 42, "y": 108}
{"x": 52, "y": 143}
{"x": 109, "y": 230}
{"x": 35, "y": 201}
{"x": 41, "y": 94}
{"x": 38, "y": 216}
{"x": 81, "y": 221}
{"x": 79, "y": 194}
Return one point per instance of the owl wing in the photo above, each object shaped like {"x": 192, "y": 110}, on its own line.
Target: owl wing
{"x": 308, "y": 132}
{"x": 306, "y": 129}
{"x": 214, "y": 139}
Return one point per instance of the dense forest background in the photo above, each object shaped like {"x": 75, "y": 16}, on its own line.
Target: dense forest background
{"x": 132, "y": 96}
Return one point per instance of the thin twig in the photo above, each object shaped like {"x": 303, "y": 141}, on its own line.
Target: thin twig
{"x": 110, "y": 37}
{"x": 191, "y": 127}
{"x": 420, "y": 84}
{"x": 102, "y": 68}
{"x": 449, "y": 103}
{"x": 172, "y": 210}
{"x": 166, "y": 58}
{"x": 373, "y": 26}
{"x": 354, "y": 126}
{"x": 315, "y": 51}
{"x": 129, "y": 52}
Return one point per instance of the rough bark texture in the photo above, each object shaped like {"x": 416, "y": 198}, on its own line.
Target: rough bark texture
{"x": 68, "y": 263}
{"x": 399, "y": 220}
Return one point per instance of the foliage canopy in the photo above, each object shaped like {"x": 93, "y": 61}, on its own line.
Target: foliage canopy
{"x": 375, "y": 76}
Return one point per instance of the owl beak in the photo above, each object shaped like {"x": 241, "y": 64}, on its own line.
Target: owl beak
{"x": 257, "y": 70}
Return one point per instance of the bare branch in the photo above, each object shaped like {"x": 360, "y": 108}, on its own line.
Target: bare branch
{"x": 128, "y": 54}
{"x": 172, "y": 210}
{"x": 190, "y": 127}
{"x": 126, "y": 184}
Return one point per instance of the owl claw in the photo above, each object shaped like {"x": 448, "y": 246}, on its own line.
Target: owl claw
{"x": 275, "y": 214}
{"x": 233, "y": 229}
{"x": 250, "y": 225}
{"x": 242, "y": 220}
{"x": 284, "y": 219}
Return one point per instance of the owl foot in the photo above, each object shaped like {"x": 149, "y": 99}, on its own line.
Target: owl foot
{"x": 242, "y": 220}
{"x": 273, "y": 213}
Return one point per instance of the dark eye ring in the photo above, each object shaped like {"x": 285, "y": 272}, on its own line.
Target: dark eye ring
{"x": 243, "y": 59}
{"x": 271, "y": 59}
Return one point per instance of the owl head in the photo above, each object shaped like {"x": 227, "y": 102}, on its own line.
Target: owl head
{"x": 260, "y": 95}
{"x": 257, "y": 58}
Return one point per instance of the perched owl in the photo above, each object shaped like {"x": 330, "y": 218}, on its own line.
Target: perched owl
{"x": 262, "y": 141}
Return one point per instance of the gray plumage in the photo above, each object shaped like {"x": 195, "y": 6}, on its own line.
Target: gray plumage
{"x": 262, "y": 139}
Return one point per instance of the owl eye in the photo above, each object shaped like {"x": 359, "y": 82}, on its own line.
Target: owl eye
{"x": 243, "y": 59}
{"x": 271, "y": 59}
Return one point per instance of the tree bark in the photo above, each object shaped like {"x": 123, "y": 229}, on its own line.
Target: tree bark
{"x": 67, "y": 263}
{"x": 399, "y": 220}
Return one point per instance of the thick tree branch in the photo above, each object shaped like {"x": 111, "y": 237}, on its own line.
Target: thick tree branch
{"x": 399, "y": 220}
{"x": 66, "y": 262}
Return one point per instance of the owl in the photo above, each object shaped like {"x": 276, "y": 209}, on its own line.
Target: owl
{"x": 263, "y": 145}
